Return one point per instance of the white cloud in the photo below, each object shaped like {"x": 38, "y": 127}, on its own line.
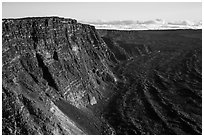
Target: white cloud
{"x": 145, "y": 25}
{"x": 184, "y": 22}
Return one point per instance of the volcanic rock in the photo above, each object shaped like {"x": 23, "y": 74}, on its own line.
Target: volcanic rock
{"x": 51, "y": 64}
{"x": 64, "y": 77}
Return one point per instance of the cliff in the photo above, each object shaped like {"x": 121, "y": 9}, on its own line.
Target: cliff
{"x": 63, "y": 77}
{"x": 52, "y": 66}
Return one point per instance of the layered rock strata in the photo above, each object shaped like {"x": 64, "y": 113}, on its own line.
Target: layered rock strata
{"x": 48, "y": 61}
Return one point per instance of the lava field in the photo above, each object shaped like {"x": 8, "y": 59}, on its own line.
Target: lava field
{"x": 162, "y": 92}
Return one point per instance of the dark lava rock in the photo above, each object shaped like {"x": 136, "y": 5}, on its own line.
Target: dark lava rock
{"x": 162, "y": 90}
{"x": 63, "y": 77}
{"x": 53, "y": 69}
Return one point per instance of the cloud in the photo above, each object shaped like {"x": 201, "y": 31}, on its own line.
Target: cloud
{"x": 184, "y": 22}
{"x": 124, "y": 22}
{"x": 145, "y": 25}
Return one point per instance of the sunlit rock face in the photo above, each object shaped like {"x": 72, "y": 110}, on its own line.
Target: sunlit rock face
{"x": 48, "y": 62}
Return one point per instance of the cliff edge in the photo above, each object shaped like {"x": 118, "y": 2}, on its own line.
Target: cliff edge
{"x": 53, "y": 69}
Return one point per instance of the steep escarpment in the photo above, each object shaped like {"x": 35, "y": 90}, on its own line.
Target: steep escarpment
{"x": 53, "y": 70}
{"x": 63, "y": 77}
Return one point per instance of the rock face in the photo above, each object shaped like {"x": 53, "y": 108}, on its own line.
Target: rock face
{"x": 63, "y": 77}
{"x": 49, "y": 62}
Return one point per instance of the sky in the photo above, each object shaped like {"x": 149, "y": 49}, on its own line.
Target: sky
{"x": 106, "y": 11}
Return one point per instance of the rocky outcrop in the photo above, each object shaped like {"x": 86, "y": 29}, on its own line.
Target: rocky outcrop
{"x": 51, "y": 64}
